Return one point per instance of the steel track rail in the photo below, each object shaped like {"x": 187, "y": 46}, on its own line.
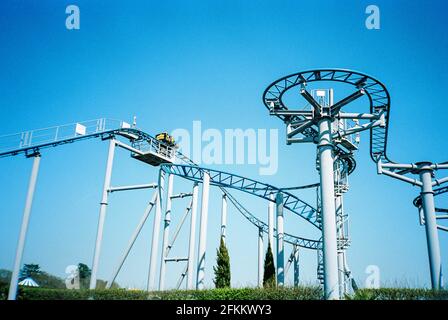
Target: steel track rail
{"x": 376, "y": 92}
{"x": 254, "y": 187}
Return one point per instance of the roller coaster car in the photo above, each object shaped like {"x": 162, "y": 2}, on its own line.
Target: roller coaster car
{"x": 166, "y": 138}
{"x": 156, "y": 151}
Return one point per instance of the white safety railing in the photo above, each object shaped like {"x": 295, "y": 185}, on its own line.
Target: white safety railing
{"x": 29, "y": 139}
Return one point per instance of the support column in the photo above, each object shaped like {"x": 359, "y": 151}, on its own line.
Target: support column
{"x": 280, "y": 244}
{"x": 192, "y": 242}
{"x": 102, "y": 215}
{"x": 166, "y": 233}
{"x": 23, "y": 229}
{"x": 203, "y": 232}
{"x": 260, "y": 257}
{"x": 155, "y": 233}
{"x": 432, "y": 236}
{"x": 340, "y": 235}
{"x": 133, "y": 238}
{"x": 271, "y": 221}
{"x": 224, "y": 217}
{"x": 296, "y": 266}
{"x": 325, "y": 153}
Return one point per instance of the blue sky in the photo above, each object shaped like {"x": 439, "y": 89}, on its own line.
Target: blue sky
{"x": 175, "y": 62}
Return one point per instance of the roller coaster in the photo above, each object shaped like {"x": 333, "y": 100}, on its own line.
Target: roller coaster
{"x": 318, "y": 120}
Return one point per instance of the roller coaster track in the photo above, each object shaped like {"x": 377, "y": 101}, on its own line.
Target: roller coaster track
{"x": 289, "y": 238}
{"x": 376, "y": 92}
{"x": 257, "y": 188}
{"x": 30, "y": 143}
{"x": 418, "y": 200}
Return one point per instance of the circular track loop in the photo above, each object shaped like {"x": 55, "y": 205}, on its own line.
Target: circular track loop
{"x": 376, "y": 91}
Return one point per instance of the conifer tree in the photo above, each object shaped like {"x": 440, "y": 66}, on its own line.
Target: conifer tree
{"x": 222, "y": 268}
{"x": 269, "y": 269}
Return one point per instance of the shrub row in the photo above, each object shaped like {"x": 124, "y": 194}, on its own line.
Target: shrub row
{"x": 399, "y": 294}
{"x": 301, "y": 293}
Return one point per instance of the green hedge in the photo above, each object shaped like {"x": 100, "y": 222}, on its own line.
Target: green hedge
{"x": 399, "y": 294}
{"x": 300, "y": 293}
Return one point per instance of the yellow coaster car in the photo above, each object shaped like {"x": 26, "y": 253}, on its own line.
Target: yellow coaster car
{"x": 166, "y": 138}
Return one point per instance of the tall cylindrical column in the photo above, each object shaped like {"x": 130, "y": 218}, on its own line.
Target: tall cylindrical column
{"x": 191, "y": 245}
{"x": 203, "y": 232}
{"x": 432, "y": 236}
{"x": 102, "y": 215}
{"x": 224, "y": 217}
{"x": 280, "y": 244}
{"x": 271, "y": 221}
{"x": 325, "y": 153}
{"x": 340, "y": 235}
{"x": 296, "y": 266}
{"x": 166, "y": 232}
{"x": 24, "y": 228}
{"x": 260, "y": 257}
{"x": 155, "y": 233}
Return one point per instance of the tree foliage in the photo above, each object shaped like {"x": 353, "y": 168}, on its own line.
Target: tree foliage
{"x": 29, "y": 270}
{"x": 222, "y": 268}
{"x": 269, "y": 269}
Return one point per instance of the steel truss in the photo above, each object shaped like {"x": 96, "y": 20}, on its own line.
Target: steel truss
{"x": 325, "y": 124}
{"x": 31, "y": 143}
{"x": 375, "y": 91}
{"x": 257, "y": 188}
{"x": 423, "y": 174}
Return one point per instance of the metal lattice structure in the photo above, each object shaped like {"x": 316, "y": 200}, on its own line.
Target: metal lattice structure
{"x": 375, "y": 91}
{"x": 144, "y": 147}
{"x": 323, "y": 123}
{"x": 257, "y": 188}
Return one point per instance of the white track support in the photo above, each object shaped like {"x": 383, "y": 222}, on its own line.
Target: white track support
{"x": 280, "y": 242}
{"x": 155, "y": 233}
{"x": 192, "y": 242}
{"x": 133, "y": 238}
{"x": 340, "y": 233}
{"x": 296, "y": 266}
{"x": 24, "y": 228}
{"x": 260, "y": 257}
{"x": 203, "y": 232}
{"x": 325, "y": 153}
{"x": 166, "y": 233}
{"x": 271, "y": 221}
{"x": 102, "y": 215}
{"x": 432, "y": 236}
{"x": 224, "y": 217}
{"x": 425, "y": 170}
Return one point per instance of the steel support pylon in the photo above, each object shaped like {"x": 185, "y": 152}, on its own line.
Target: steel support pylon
{"x": 192, "y": 240}
{"x": 280, "y": 241}
{"x": 166, "y": 232}
{"x": 432, "y": 236}
{"x": 156, "y": 233}
{"x": 102, "y": 214}
{"x": 224, "y": 217}
{"x": 260, "y": 257}
{"x": 200, "y": 282}
{"x": 24, "y": 228}
{"x": 325, "y": 155}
